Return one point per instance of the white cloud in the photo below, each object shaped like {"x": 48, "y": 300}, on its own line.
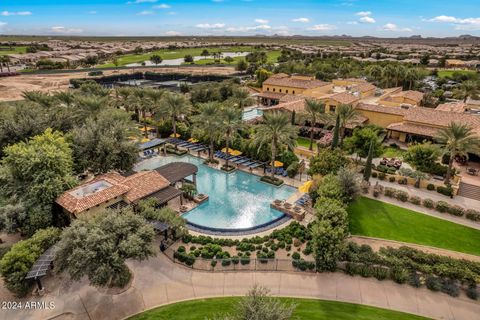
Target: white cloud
{"x": 63, "y": 30}
{"x": 262, "y": 21}
{"x": 394, "y": 27}
{"x": 301, "y": 20}
{"x": 162, "y": 6}
{"x": 367, "y": 19}
{"x": 210, "y": 26}
{"x": 18, "y": 13}
{"x": 141, "y": 1}
{"x": 173, "y": 33}
{"x": 322, "y": 27}
{"x": 145, "y": 13}
{"x": 459, "y": 23}
{"x": 364, "y": 13}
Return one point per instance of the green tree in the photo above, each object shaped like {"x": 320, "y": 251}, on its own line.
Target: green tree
{"x": 207, "y": 124}
{"x": 173, "y": 106}
{"x": 329, "y": 233}
{"x": 98, "y": 247}
{"x": 277, "y": 131}
{"x": 231, "y": 123}
{"x": 156, "y": 59}
{"x": 457, "y": 139}
{"x": 36, "y": 172}
{"x": 314, "y": 110}
{"x": 327, "y": 161}
{"x": 103, "y": 144}
{"x": 16, "y": 263}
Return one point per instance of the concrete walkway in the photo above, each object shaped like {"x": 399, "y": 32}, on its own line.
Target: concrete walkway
{"x": 158, "y": 281}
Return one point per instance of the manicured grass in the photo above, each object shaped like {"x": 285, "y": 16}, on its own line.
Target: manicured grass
{"x": 306, "y": 309}
{"x": 377, "y": 219}
{"x": 390, "y": 152}
{"x": 14, "y": 50}
{"x": 449, "y": 73}
{"x": 305, "y": 142}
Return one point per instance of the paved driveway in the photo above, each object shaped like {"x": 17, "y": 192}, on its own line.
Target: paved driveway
{"x": 159, "y": 281}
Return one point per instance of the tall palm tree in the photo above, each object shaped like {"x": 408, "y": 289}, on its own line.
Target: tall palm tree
{"x": 277, "y": 131}
{"x": 173, "y": 106}
{"x": 457, "y": 139}
{"x": 231, "y": 123}
{"x": 346, "y": 113}
{"x": 314, "y": 111}
{"x": 208, "y": 124}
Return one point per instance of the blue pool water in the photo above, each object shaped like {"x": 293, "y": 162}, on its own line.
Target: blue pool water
{"x": 237, "y": 200}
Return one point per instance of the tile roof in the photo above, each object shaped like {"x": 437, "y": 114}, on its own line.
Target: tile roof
{"x": 381, "y": 109}
{"x": 131, "y": 188}
{"x": 284, "y": 80}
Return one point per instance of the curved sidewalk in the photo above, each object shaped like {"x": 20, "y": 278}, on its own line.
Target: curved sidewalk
{"x": 158, "y": 281}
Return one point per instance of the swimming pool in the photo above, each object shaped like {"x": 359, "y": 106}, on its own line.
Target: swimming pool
{"x": 237, "y": 201}
{"x": 249, "y": 114}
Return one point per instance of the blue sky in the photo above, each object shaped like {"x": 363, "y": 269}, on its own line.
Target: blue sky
{"x": 387, "y": 18}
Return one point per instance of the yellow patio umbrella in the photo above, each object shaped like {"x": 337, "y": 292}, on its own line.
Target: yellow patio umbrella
{"x": 192, "y": 140}
{"x": 236, "y": 153}
{"x": 175, "y": 135}
{"x": 278, "y": 164}
{"x": 306, "y": 186}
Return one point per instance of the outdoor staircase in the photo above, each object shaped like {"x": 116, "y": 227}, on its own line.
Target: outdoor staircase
{"x": 469, "y": 191}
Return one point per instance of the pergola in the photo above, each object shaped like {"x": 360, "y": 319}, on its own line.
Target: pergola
{"x": 41, "y": 266}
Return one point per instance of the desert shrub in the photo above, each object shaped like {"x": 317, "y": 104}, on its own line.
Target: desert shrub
{"x": 402, "y": 196}
{"x": 473, "y": 215}
{"x": 428, "y": 203}
{"x": 430, "y": 187}
{"x": 442, "y": 206}
{"x": 433, "y": 283}
{"x": 415, "y": 200}
{"x": 456, "y": 210}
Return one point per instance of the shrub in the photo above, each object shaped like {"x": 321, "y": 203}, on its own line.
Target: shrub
{"x": 433, "y": 283}
{"x": 295, "y": 255}
{"x": 381, "y": 176}
{"x": 446, "y": 191}
{"x": 473, "y": 215}
{"x": 374, "y": 174}
{"x": 399, "y": 275}
{"x": 442, "y": 206}
{"x": 456, "y": 211}
{"x": 428, "y": 203}
{"x": 430, "y": 187}
{"x": 402, "y": 196}
{"x": 415, "y": 200}
{"x": 389, "y": 192}
{"x": 450, "y": 287}
{"x": 392, "y": 179}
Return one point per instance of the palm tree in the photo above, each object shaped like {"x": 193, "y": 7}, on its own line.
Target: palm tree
{"x": 468, "y": 89}
{"x": 277, "y": 131}
{"x": 457, "y": 139}
{"x": 346, "y": 113}
{"x": 231, "y": 123}
{"x": 208, "y": 124}
{"x": 173, "y": 106}
{"x": 313, "y": 112}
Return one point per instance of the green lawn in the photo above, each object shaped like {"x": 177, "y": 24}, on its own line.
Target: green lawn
{"x": 449, "y": 73}
{"x": 14, "y": 50}
{"x": 307, "y": 309}
{"x": 305, "y": 142}
{"x": 377, "y": 219}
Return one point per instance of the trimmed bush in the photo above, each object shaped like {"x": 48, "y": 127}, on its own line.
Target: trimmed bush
{"x": 415, "y": 200}
{"x": 428, "y": 203}
{"x": 456, "y": 211}
{"x": 442, "y": 206}
{"x": 430, "y": 187}
{"x": 473, "y": 215}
